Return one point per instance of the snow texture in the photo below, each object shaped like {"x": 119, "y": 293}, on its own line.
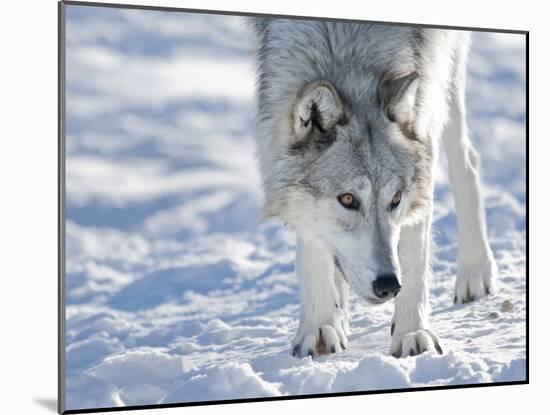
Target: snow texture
{"x": 175, "y": 290}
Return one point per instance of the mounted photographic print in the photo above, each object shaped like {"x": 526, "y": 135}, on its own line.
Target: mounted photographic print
{"x": 270, "y": 207}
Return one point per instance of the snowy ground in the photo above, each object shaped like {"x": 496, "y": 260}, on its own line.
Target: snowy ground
{"x": 176, "y": 293}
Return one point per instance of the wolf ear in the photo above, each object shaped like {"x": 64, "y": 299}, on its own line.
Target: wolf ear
{"x": 317, "y": 106}
{"x": 398, "y": 97}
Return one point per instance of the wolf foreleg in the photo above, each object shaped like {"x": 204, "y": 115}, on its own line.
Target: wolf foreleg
{"x": 409, "y": 329}
{"x": 322, "y": 315}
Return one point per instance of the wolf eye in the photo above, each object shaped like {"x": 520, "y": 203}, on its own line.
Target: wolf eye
{"x": 395, "y": 200}
{"x": 348, "y": 201}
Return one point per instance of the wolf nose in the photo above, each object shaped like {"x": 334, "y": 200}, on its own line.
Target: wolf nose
{"x": 386, "y": 285}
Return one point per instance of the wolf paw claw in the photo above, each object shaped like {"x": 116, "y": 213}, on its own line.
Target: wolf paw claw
{"x": 415, "y": 343}
{"x": 325, "y": 339}
{"x": 475, "y": 281}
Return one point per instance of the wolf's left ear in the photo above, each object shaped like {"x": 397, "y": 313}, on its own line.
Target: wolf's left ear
{"x": 398, "y": 97}
{"x": 317, "y": 106}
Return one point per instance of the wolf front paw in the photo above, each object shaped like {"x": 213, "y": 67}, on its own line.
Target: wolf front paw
{"x": 316, "y": 341}
{"x": 414, "y": 343}
{"x": 475, "y": 281}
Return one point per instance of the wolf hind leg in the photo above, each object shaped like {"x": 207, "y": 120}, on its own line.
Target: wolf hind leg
{"x": 477, "y": 269}
{"x": 322, "y": 328}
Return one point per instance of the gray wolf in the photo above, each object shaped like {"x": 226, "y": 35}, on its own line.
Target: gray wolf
{"x": 349, "y": 121}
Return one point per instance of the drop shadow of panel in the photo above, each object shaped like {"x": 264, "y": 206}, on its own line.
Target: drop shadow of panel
{"x": 49, "y": 403}
{"x": 169, "y": 284}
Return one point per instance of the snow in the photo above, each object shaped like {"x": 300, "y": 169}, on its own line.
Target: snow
{"x": 175, "y": 290}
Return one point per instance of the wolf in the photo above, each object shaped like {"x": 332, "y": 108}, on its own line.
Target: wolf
{"x": 348, "y": 125}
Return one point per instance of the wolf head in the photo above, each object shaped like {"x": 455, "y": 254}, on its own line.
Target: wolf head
{"x": 353, "y": 177}
{"x": 345, "y": 165}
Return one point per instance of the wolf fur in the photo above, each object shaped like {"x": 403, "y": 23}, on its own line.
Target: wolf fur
{"x": 359, "y": 109}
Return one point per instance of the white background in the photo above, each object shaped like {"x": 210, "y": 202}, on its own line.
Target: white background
{"x": 28, "y": 215}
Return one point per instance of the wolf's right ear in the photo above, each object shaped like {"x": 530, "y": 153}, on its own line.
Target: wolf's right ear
{"x": 317, "y": 106}
{"x": 398, "y": 97}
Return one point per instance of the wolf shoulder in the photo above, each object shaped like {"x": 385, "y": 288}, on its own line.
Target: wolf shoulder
{"x": 325, "y": 46}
